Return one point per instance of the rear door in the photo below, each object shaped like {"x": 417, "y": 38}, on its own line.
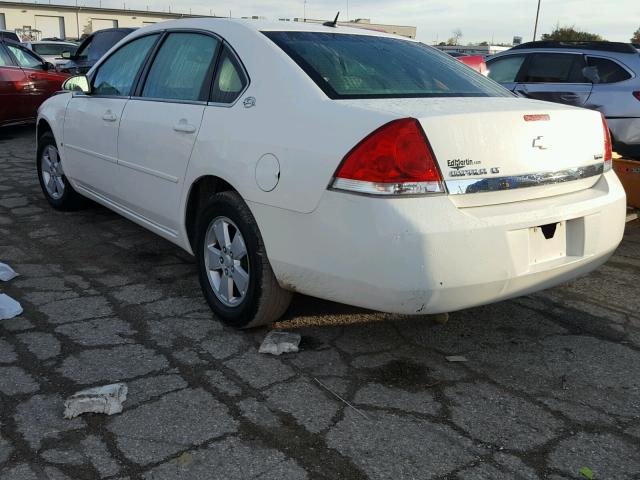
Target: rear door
{"x": 14, "y": 92}
{"x": 160, "y": 124}
{"x": 554, "y": 77}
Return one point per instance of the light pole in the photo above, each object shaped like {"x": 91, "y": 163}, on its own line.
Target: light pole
{"x": 535, "y": 29}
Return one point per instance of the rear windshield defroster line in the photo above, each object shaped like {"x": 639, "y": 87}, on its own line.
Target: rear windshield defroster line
{"x": 352, "y": 66}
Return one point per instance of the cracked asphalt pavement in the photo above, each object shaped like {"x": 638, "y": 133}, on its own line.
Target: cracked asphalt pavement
{"x": 551, "y": 385}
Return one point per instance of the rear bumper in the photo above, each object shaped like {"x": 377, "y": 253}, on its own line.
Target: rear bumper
{"x": 425, "y": 255}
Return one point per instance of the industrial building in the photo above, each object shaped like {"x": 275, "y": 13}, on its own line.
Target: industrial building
{"x": 402, "y": 30}
{"x": 33, "y": 21}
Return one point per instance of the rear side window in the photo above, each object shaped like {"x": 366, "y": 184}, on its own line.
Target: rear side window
{"x": 181, "y": 68}
{"x": 5, "y": 59}
{"x": 116, "y": 75}
{"x": 25, "y": 58}
{"x": 365, "y": 66}
{"x": 607, "y": 71}
{"x": 505, "y": 69}
{"x": 554, "y": 68}
{"x": 230, "y": 79}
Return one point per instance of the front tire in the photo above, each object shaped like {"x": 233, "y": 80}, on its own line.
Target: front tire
{"x": 234, "y": 272}
{"x": 55, "y": 186}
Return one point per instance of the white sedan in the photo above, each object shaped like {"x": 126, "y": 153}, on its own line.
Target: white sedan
{"x": 345, "y": 164}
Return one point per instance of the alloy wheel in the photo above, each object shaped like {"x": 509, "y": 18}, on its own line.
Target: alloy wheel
{"x": 226, "y": 261}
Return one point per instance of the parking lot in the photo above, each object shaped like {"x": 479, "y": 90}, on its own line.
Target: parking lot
{"x": 551, "y": 383}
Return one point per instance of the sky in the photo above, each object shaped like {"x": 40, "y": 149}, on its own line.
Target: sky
{"x": 479, "y": 20}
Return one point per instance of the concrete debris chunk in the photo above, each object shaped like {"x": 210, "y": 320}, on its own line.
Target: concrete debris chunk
{"x": 6, "y": 272}
{"x": 107, "y": 400}
{"x": 456, "y": 358}
{"x": 278, "y": 342}
{"x": 9, "y": 308}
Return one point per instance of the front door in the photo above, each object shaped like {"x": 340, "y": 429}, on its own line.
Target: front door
{"x": 92, "y": 121}
{"x": 159, "y": 127}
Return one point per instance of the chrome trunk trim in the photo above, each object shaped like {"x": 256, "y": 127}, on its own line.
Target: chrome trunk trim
{"x": 494, "y": 184}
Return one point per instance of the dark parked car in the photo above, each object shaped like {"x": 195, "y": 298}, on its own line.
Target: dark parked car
{"x": 7, "y": 35}
{"x": 602, "y": 76}
{"x": 26, "y": 80}
{"x": 91, "y": 49}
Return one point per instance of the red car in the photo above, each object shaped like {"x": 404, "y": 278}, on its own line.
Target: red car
{"x": 26, "y": 81}
{"x": 476, "y": 62}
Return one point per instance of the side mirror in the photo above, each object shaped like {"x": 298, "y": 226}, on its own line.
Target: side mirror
{"x": 77, "y": 84}
{"x": 66, "y": 55}
{"x": 48, "y": 66}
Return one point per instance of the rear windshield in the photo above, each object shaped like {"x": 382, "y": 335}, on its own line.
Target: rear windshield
{"x": 53, "y": 48}
{"x": 98, "y": 44}
{"x": 349, "y": 66}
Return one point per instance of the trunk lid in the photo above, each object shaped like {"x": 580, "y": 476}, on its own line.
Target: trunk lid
{"x": 488, "y": 152}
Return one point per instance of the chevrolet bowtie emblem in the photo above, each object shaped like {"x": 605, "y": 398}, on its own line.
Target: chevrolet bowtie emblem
{"x": 538, "y": 142}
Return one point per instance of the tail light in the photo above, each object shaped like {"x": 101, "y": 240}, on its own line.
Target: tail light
{"x": 608, "y": 150}
{"x": 396, "y": 159}
{"x": 637, "y": 95}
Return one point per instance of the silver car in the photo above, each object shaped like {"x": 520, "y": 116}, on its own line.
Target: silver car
{"x": 602, "y": 76}
{"x": 52, "y": 50}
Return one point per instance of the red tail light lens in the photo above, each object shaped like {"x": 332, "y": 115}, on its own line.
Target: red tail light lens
{"x": 396, "y": 159}
{"x": 608, "y": 149}
{"x": 637, "y": 95}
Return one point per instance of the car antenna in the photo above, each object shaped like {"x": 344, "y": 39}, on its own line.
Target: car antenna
{"x": 333, "y": 24}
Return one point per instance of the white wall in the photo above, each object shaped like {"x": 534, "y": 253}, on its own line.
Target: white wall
{"x": 3, "y": 25}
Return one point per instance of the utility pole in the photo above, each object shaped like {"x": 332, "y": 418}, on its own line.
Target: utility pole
{"x": 535, "y": 28}
{"x": 304, "y": 15}
{"x": 347, "y": 10}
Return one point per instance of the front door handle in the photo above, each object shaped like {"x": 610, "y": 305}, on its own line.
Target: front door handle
{"x": 33, "y": 76}
{"x": 109, "y": 116}
{"x": 184, "y": 127}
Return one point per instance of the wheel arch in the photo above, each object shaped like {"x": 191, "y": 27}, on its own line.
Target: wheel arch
{"x": 199, "y": 192}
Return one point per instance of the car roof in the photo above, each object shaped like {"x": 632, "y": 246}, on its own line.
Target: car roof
{"x": 262, "y": 26}
{"x": 600, "y": 46}
{"x": 38, "y": 42}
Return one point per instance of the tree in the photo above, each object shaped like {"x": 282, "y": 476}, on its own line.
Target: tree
{"x": 484, "y": 44}
{"x": 455, "y": 39}
{"x": 636, "y": 36}
{"x": 570, "y": 34}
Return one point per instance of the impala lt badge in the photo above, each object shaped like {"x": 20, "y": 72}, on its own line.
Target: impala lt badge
{"x": 249, "y": 102}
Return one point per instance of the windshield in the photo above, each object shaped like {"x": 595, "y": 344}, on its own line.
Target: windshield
{"x": 53, "y": 48}
{"x": 349, "y": 66}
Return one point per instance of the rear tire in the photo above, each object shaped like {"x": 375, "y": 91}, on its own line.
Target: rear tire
{"x": 55, "y": 186}
{"x": 234, "y": 272}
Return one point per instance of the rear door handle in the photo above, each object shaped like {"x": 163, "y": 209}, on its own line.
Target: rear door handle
{"x": 109, "y": 116}
{"x": 184, "y": 127}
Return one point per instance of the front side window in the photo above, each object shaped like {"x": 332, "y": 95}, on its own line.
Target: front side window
{"x": 180, "y": 68}
{"x": 607, "y": 71}
{"x": 53, "y": 48}
{"x": 116, "y": 75}
{"x": 505, "y": 69}
{"x": 230, "y": 79}
{"x": 365, "y": 66}
{"x": 554, "y": 68}
{"x": 25, "y": 58}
